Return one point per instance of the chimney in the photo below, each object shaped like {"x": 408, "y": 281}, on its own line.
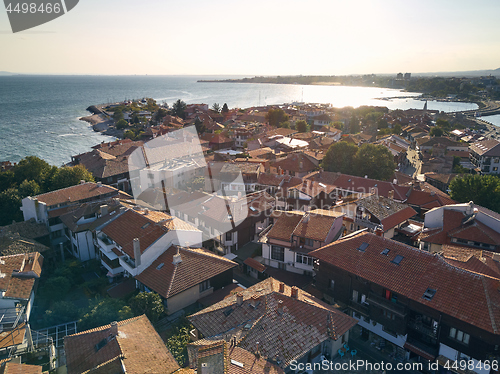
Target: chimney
{"x": 282, "y": 287}
{"x": 104, "y": 210}
{"x": 137, "y": 252}
{"x": 301, "y": 165}
{"x": 257, "y": 353}
{"x": 177, "y": 257}
{"x": 239, "y": 298}
{"x": 114, "y": 328}
{"x": 204, "y": 368}
{"x": 82, "y": 181}
{"x": 379, "y": 231}
{"x": 295, "y": 292}
{"x": 99, "y": 184}
{"x": 391, "y": 194}
{"x": 470, "y": 208}
{"x": 280, "y": 307}
{"x": 373, "y": 190}
{"x": 146, "y": 211}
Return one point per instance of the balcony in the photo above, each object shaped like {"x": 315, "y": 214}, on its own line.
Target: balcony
{"x": 105, "y": 243}
{"x": 422, "y": 328}
{"x": 386, "y": 304}
{"x": 359, "y": 307}
{"x": 128, "y": 265}
{"x": 366, "y": 223}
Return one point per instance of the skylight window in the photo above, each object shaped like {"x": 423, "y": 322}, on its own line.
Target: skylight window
{"x": 146, "y": 225}
{"x": 160, "y": 266}
{"x": 397, "y": 259}
{"x": 429, "y": 293}
{"x": 385, "y": 252}
{"x": 363, "y": 247}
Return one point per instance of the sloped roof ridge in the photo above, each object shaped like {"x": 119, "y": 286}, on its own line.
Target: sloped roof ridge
{"x": 488, "y": 303}
{"x": 104, "y": 327}
{"x": 204, "y": 253}
{"x": 172, "y": 280}
{"x": 79, "y": 184}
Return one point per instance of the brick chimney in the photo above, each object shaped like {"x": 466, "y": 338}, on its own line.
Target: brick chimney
{"x": 295, "y": 292}
{"x": 282, "y": 287}
{"x": 114, "y": 328}
{"x": 137, "y": 252}
{"x": 239, "y": 298}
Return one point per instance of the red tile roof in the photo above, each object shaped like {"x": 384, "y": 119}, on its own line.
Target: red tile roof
{"x": 79, "y": 192}
{"x": 284, "y": 225}
{"x": 464, "y": 295}
{"x": 19, "y": 274}
{"x": 15, "y": 368}
{"x": 254, "y": 264}
{"x": 137, "y": 347}
{"x": 397, "y": 218}
{"x": 297, "y": 163}
{"x": 197, "y": 266}
{"x": 285, "y": 327}
{"x": 134, "y": 224}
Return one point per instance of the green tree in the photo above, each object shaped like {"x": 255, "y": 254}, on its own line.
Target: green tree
{"x": 225, "y": 109}
{"x": 104, "y": 311}
{"x": 276, "y": 116}
{"x": 148, "y": 303}
{"x": 60, "y": 312}
{"x": 200, "y": 126}
{"x": 397, "y": 129}
{"x": 284, "y": 125}
{"x": 339, "y": 157}
{"x": 118, "y": 115}
{"x": 29, "y": 188}
{"x": 484, "y": 190}
{"x": 31, "y": 168}
{"x": 159, "y": 115}
{"x": 339, "y": 125}
{"x": 177, "y": 340}
{"x": 216, "y": 108}
{"x": 376, "y": 161}
{"x": 10, "y": 204}
{"x": 121, "y": 124}
{"x": 7, "y": 180}
{"x": 436, "y": 131}
{"x": 56, "y": 288}
{"x": 301, "y": 126}
{"x": 354, "y": 125}
{"x": 68, "y": 176}
{"x": 179, "y": 109}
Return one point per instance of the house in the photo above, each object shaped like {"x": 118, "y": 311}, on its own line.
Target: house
{"x": 282, "y": 324}
{"x": 239, "y": 177}
{"x": 219, "y": 356}
{"x": 135, "y": 238}
{"x": 309, "y": 195}
{"x": 411, "y": 300}
{"x": 460, "y": 225}
{"x": 50, "y": 206}
{"x": 218, "y": 141}
{"x": 181, "y": 276}
{"x": 108, "y": 162}
{"x": 129, "y": 346}
{"x": 375, "y": 213}
{"x": 319, "y": 121}
{"x": 295, "y": 164}
{"x": 440, "y": 181}
{"x": 294, "y": 234}
{"x": 19, "y": 276}
{"x": 485, "y": 156}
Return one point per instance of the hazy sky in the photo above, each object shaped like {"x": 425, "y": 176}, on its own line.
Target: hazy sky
{"x": 258, "y": 37}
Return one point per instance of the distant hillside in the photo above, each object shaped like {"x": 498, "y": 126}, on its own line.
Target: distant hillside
{"x": 471, "y": 73}
{"x": 5, "y": 73}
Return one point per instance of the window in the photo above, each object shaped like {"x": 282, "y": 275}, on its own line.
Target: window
{"x": 459, "y": 335}
{"x": 229, "y": 236}
{"x": 204, "y": 285}
{"x": 303, "y": 259}
{"x": 278, "y": 253}
{"x": 355, "y": 295}
{"x": 389, "y": 315}
{"x": 309, "y": 242}
{"x": 495, "y": 168}
{"x": 332, "y": 284}
{"x": 397, "y": 259}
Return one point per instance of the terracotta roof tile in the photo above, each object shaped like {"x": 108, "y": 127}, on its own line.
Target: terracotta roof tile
{"x": 285, "y": 327}
{"x": 137, "y": 345}
{"x": 19, "y": 273}
{"x": 254, "y": 264}
{"x": 12, "y": 337}
{"x": 197, "y": 266}
{"x": 76, "y": 193}
{"x": 15, "y": 368}
{"x": 467, "y": 296}
{"x": 284, "y": 226}
{"x": 297, "y": 163}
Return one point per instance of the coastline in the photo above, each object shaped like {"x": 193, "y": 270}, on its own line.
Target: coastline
{"x": 102, "y": 125}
